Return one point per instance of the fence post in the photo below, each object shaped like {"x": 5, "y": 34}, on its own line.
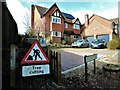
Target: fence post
{"x": 58, "y": 67}
{"x": 55, "y": 66}
{"x": 50, "y": 55}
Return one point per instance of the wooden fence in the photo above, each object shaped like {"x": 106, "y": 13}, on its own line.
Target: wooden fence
{"x": 55, "y": 65}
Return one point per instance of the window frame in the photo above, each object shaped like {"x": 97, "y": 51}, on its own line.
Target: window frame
{"x": 66, "y": 25}
{"x": 75, "y": 26}
{"x": 56, "y": 20}
{"x": 56, "y": 34}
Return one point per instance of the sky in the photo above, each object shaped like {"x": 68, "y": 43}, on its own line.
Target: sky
{"x": 20, "y": 9}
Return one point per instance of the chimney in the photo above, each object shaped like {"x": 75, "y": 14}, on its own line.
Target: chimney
{"x": 86, "y": 20}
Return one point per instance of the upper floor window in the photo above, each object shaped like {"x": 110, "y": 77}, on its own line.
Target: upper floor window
{"x": 76, "y": 26}
{"x": 66, "y": 25}
{"x": 56, "y": 20}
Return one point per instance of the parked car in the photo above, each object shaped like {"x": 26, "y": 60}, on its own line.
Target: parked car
{"x": 80, "y": 43}
{"x": 98, "y": 43}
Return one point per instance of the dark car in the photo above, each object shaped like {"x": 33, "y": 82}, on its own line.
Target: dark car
{"x": 98, "y": 43}
{"x": 80, "y": 43}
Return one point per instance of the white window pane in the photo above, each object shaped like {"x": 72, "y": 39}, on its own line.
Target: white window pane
{"x": 59, "y": 34}
{"x": 66, "y": 25}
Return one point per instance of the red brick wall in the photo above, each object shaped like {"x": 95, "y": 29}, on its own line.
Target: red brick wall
{"x": 70, "y": 27}
{"x": 98, "y": 26}
{"x": 55, "y": 27}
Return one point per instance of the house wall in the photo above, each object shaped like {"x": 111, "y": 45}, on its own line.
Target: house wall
{"x": 70, "y": 38}
{"x": 46, "y": 26}
{"x": 102, "y": 21}
{"x": 70, "y": 27}
{"x": 99, "y": 26}
{"x": 37, "y": 21}
{"x": 96, "y": 28}
{"x": 76, "y": 31}
{"x": 49, "y": 26}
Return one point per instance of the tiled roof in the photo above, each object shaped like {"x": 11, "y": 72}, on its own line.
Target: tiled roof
{"x": 115, "y": 20}
{"x": 68, "y": 17}
{"x": 41, "y": 10}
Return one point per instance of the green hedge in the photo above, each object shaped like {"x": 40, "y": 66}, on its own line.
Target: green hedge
{"x": 114, "y": 44}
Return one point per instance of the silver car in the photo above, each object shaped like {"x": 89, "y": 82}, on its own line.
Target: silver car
{"x": 80, "y": 43}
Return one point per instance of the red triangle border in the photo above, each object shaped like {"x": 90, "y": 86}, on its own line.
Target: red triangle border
{"x": 34, "y": 62}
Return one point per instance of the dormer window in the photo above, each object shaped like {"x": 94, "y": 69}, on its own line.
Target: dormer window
{"x": 76, "y": 25}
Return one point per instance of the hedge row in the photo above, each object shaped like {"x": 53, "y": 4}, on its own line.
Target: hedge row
{"x": 114, "y": 44}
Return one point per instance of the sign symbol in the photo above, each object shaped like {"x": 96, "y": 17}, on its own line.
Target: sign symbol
{"x": 29, "y": 57}
{"x": 36, "y": 53}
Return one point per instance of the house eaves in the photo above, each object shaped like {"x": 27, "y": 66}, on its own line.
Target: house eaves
{"x": 99, "y": 17}
{"x": 115, "y": 20}
{"x": 55, "y": 10}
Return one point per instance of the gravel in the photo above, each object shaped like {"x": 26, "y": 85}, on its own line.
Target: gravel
{"x": 72, "y": 80}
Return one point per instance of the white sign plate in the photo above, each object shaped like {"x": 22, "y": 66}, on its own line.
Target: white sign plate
{"x": 33, "y": 70}
{"x": 91, "y": 57}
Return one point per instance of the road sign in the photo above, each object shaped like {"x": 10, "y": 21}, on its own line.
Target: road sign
{"x": 35, "y": 55}
{"x": 90, "y": 57}
{"x": 34, "y": 70}
{"x": 86, "y": 60}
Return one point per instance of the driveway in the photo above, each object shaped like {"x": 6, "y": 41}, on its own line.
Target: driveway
{"x": 73, "y": 57}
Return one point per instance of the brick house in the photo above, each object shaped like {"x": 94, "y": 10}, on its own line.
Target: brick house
{"x": 97, "y": 27}
{"x": 54, "y": 25}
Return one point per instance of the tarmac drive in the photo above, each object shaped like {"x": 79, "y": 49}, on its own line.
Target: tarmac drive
{"x": 73, "y": 57}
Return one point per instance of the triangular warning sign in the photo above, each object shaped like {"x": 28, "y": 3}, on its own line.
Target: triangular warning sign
{"x": 35, "y": 55}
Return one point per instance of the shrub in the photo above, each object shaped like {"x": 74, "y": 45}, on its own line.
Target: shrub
{"x": 114, "y": 44}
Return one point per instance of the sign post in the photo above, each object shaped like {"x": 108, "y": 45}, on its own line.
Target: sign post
{"x": 35, "y": 61}
{"x": 89, "y": 59}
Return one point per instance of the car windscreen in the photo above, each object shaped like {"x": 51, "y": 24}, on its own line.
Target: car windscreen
{"x": 97, "y": 41}
{"x": 79, "y": 41}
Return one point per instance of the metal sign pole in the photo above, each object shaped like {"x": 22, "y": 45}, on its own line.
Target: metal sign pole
{"x": 94, "y": 67}
{"x": 86, "y": 78}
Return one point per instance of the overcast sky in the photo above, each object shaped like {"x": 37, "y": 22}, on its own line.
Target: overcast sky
{"x": 105, "y": 8}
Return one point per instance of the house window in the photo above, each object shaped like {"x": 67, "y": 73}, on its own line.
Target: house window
{"x": 56, "y": 20}
{"x": 66, "y": 25}
{"x": 56, "y": 34}
{"x": 76, "y": 26}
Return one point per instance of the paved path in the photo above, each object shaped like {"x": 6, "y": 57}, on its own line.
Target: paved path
{"x": 73, "y": 57}
{"x": 70, "y": 60}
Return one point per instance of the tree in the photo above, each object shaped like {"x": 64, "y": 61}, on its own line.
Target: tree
{"x": 26, "y": 23}
{"x": 31, "y": 33}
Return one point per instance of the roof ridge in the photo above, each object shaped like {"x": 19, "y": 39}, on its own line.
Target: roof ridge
{"x": 41, "y": 6}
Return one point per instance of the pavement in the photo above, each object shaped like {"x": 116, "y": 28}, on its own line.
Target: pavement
{"x": 74, "y": 57}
